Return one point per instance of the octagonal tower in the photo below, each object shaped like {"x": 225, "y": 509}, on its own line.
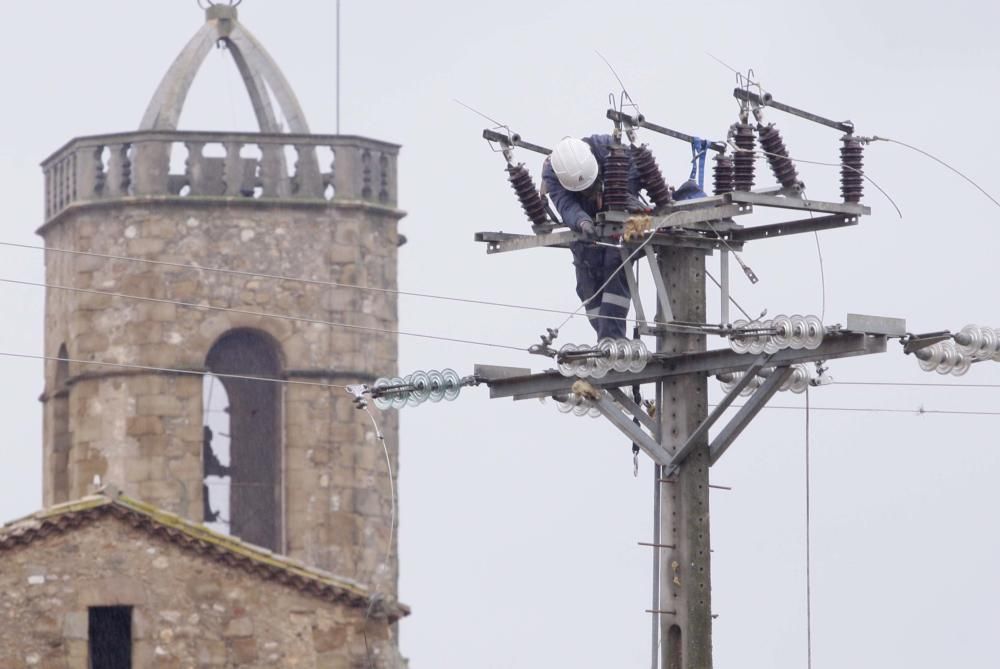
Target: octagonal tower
{"x": 164, "y": 246}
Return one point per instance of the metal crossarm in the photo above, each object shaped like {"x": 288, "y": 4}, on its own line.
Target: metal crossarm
{"x": 544, "y": 384}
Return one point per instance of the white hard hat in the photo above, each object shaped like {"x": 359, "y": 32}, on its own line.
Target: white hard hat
{"x": 574, "y": 164}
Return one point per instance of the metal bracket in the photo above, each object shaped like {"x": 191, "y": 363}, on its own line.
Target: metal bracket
{"x": 787, "y": 228}
{"x": 661, "y": 287}
{"x": 724, "y": 285}
{"x": 637, "y": 435}
{"x": 633, "y": 288}
{"x": 629, "y": 405}
{"x": 747, "y": 413}
{"x": 543, "y": 384}
{"x": 692, "y": 442}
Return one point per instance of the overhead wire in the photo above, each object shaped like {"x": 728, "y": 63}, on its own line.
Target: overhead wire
{"x": 926, "y": 384}
{"x": 171, "y": 370}
{"x": 731, "y": 298}
{"x": 876, "y": 138}
{"x": 827, "y": 164}
{"x": 808, "y": 546}
{"x": 303, "y": 280}
{"x": 261, "y": 314}
{"x": 920, "y": 411}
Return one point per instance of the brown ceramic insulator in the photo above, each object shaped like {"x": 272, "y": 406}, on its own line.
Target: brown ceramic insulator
{"x": 616, "y": 179}
{"x": 722, "y": 174}
{"x": 777, "y": 156}
{"x": 650, "y": 176}
{"x": 852, "y": 180}
{"x": 524, "y": 187}
{"x": 743, "y": 160}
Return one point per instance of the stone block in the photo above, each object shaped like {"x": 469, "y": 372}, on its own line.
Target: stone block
{"x": 145, "y": 247}
{"x": 239, "y": 627}
{"x": 331, "y": 638}
{"x": 139, "y": 426}
{"x": 113, "y": 591}
{"x": 242, "y": 651}
{"x": 159, "y": 405}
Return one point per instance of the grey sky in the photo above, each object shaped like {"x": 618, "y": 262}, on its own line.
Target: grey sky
{"x": 519, "y": 524}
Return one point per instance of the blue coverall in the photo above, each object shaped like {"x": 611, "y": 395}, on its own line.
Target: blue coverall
{"x": 594, "y": 264}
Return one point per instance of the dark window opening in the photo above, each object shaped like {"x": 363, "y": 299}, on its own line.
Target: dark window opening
{"x": 61, "y": 439}
{"x": 110, "y": 637}
{"x": 254, "y": 435}
{"x": 215, "y": 455}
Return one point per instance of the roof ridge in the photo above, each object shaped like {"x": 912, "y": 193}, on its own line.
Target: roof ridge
{"x": 195, "y": 536}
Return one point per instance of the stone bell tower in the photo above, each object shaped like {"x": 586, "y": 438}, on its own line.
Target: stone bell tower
{"x": 163, "y": 248}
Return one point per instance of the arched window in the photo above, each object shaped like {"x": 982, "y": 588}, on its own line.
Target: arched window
{"x": 216, "y": 433}
{"x": 254, "y": 436}
{"x": 61, "y": 438}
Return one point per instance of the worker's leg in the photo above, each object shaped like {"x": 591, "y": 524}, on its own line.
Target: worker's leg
{"x": 588, "y": 271}
{"x": 615, "y": 298}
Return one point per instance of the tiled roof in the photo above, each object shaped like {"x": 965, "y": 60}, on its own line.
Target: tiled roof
{"x": 200, "y": 539}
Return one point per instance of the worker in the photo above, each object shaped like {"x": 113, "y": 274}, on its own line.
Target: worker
{"x": 572, "y": 178}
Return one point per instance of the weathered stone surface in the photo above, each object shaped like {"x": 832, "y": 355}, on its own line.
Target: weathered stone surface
{"x": 189, "y": 609}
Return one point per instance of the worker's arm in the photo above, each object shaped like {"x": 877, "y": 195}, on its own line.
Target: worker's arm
{"x": 569, "y": 209}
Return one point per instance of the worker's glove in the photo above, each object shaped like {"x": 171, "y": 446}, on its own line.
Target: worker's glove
{"x": 588, "y": 230}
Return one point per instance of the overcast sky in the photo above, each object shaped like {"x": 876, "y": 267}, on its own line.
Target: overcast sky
{"x": 519, "y": 524}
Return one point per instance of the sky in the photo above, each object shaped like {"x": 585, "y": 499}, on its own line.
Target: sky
{"x": 519, "y": 525}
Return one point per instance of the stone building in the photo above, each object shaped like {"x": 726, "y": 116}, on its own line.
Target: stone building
{"x": 167, "y": 265}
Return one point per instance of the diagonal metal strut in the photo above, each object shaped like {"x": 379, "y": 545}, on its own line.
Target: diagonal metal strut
{"x": 747, "y": 413}
{"x": 612, "y": 412}
{"x": 699, "y": 434}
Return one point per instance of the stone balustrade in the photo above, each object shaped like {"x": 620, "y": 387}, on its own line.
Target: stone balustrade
{"x": 334, "y": 169}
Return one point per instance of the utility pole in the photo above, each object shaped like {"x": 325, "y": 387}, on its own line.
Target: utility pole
{"x": 685, "y": 592}
{"x": 764, "y": 356}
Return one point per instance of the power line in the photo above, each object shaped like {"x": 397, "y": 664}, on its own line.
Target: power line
{"x": 306, "y": 281}
{"x": 826, "y": 164}
{"x": 919, "y": 411}
{"x": 173, "y": 370}
{"x": 939, "y": 161}
{"x": 916, "y": 384}
{"x": 264, "y": 314}
{"x": 809, "y": 645}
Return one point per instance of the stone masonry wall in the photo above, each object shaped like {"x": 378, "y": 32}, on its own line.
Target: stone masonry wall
{"x": 142, "y": 430}
{"x": 189, "y": 609}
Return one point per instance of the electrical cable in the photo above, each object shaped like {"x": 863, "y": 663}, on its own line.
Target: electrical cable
{"x": 262, "y": 314}
{"x": 822, "y": 274}
{"x": 731, "y": 298}
{"x": 809, "y": 658}
{"x": 611, "y": 276}
{"x": 375, "y": 596}
{"x": 305, "y": 281}
{"x": 916, "y": 384}
{"x": 838, "y": 165}
{"x": 876, "y": 138}
{"x": 822, "y": 269}
{"x": 172, "y": 370}
{"x": 920, "y": 411}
